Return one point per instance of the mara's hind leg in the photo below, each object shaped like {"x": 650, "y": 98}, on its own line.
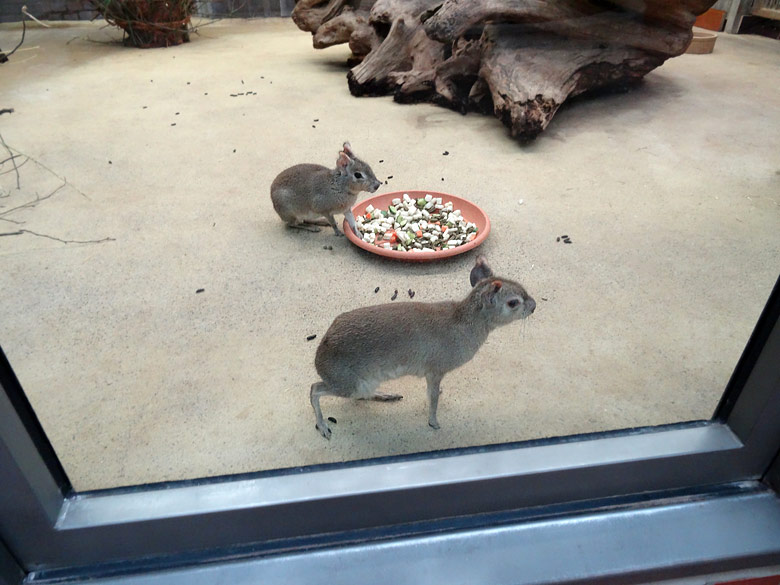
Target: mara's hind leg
{"x": 323, "y": 222}
{"x": 280, "y": 198}
{"x": 303, "y": 226}
{"x": 320, "y": 389}
{"x": 382, "y": 397}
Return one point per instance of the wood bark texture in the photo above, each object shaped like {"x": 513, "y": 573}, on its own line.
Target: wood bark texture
{"x": 518, "y": 59}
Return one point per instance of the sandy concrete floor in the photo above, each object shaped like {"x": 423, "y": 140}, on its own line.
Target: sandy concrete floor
{"x": 669, "y": 193}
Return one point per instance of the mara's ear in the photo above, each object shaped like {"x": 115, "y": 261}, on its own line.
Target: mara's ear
{"x": 342, "y": 162}
{"x": 480, "y": 271}
{"x": 489, "y": 295}
{"x": 348, "y": 150}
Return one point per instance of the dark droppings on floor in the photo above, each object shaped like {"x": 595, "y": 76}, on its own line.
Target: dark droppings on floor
{"x": 544, "y": 298}
{"x": 200, "y": 290}
{"x": 411, "y": 294}
{"x": 329, "y": 247}
{"x": 316, "y": 120}
{"x": 310, "y": 337}
{"x": 395, "y": 295}
{"x": 376, "y": 290}
{"x": 442, "y": 178}
{"x": 389, "y": 177}
{"x": 333, "y": 420}
{"x": 381, "y": 160}
{"x": 446, "y": 153}
{"x": 174, "y": 124}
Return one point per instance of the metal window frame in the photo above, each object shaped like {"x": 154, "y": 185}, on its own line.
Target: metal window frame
{"x": 48, "y": 529}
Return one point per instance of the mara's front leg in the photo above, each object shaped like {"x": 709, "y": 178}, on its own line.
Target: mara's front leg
{"x": 332, "y": 222}
{"x": 350, "y": 217}
{"x": 434, "y": 380}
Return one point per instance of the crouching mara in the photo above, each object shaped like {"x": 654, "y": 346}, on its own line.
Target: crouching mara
{"x": 367, "y": 346}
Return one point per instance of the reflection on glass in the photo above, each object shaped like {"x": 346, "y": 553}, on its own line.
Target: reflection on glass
{"x": 162, "y": 317}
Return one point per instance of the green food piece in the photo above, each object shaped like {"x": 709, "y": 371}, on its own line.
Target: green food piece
{"x": 421, "y": 203}
{"x": 392, "y": 210}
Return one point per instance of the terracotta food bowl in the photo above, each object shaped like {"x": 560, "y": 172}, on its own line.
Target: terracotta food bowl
{"x": 702, "y": 43}
{"x": 469, "y": 211}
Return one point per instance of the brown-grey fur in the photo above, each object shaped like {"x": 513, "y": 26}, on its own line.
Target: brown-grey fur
{"x": 367, "y": 346}
{"x": 304, "y": 194}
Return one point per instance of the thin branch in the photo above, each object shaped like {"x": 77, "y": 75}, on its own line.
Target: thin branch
{"x": 33, "y": 203}
{"x": 59, "y": 239}
{"x": 24, "y": 30}
{"x": 24, "y": 11}
{"x": 19, "y": 166}
{"x": 43, "y": 166}
{"x": 13, "y": 160}
{"x": 9, "y": 220}
{"x": 2, "y": 162}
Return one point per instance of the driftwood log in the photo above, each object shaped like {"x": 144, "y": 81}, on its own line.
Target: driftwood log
{"x": 519, "y": 59}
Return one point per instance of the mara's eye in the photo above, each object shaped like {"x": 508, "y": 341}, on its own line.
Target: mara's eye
{"x": 358, "y": 175}
{"x": 513, "y": 303}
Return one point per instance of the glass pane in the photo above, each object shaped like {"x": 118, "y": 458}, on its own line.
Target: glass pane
{"x": 160, "y": 315}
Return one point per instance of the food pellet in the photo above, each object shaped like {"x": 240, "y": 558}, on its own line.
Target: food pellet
{"x": 415, "y": 224}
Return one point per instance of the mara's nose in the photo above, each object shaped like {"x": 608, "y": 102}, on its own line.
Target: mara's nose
{"x": 531, "y": 305}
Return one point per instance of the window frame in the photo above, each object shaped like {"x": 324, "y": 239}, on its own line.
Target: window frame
{"x": 48, "y": 527}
